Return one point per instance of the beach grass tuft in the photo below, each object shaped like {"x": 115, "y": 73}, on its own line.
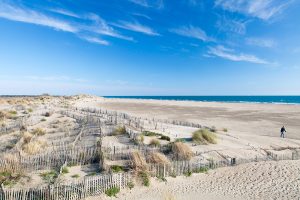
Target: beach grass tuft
{"x": 204, "y": 136}
{"x": 182, "y": 151}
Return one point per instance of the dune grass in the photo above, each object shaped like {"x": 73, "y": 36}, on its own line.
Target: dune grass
{"x": 138, "y": 161}
{"x": 120, "y": 130}
{"x": 112, "y": 192}
{"x": 158, "y": 158}
{"x": 27, "y": 137}
{"x": 154, "y": 142}
{"x": 182, "y": 151}
{"x": 116, "y": 168}
{"x": 38, "y": 132}
{"x": 204, "y": 136}
{"x": 34, "y": 147}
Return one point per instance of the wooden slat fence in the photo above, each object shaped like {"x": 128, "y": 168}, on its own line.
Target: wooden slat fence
{"x": 75, "y": 190}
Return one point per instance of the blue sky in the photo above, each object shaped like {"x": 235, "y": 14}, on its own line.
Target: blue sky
{"x": 143, "y": 47}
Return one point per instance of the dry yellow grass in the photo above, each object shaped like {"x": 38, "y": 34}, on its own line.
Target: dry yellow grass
{"x": 159, "y": 158}
{"x": 34, "y": 147}
{"x": 39, "y": 131}
{"x": 12, "y": 164}
{"x": 27, "y": 137}
{"x": 2, "y": 115}
{"x": 154, "y": 142}
{"x": 138, "y": 161}
{"x": 182, "y": 151}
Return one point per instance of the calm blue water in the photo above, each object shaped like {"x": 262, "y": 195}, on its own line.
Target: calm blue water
{"x": 239, "y": 99}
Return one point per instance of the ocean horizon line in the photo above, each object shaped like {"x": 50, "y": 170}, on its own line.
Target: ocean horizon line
{"x": 258, "y": 99}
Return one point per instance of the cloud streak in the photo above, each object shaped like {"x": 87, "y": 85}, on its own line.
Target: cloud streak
{"x": 232, "y": 25}
{"x": 262, "y": 9}
{"x": 261, "y": 42}
{"x": 30, "y": 16}
{"x": 192, "y": 32}
{"x": 95, "y": 40}
{"x": 230, "y": 54}
{"x": 137, "y": 27}
{"x": 87, "y": 25}
{"x": 158, "y": 4}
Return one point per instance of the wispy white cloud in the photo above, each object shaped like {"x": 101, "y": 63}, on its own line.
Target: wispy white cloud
{"x": 261, "y": 42}
{"x": 232, "y": 25}
{"x": 20, "y": 14}
{"x": 142, "y": 15}
{"x": 230, "y": 54}
{"x": 263, "y": 9}
{"x": 89, "y": 24}
{"x": 192, "y": 32}
{"x": 159, "y": 4}
{"x": 64, "y": 12}
{"x": 95, "y": 40}
{"x": 136, "y": 27}
{"x": 100, "y": 26}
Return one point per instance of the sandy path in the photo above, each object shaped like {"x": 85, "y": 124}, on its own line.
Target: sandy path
{"x": 264, "y": 180}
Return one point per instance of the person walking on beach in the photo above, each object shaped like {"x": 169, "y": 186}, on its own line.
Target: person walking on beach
{"x": 282, "y": 130}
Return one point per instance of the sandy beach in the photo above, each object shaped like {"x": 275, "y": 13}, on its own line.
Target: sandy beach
{"x": 246, "y": 132}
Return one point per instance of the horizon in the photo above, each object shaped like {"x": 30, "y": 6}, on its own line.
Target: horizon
{"x": 150, "y": 48}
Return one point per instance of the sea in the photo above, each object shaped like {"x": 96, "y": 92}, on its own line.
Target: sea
{"x": 228, "y": 99}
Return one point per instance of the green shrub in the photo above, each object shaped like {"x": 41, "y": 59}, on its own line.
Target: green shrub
{"x": 225, "y": 130}
{"x": 163, "y": 137}
{"x": 30, "y": 110}
{"x": 92, "y": 174}
{"x": 65, "y": 170}
{"x": 150, "y": 134}
{"x": 75, "y": 176}
{"x": 201, "y": 170}
{"x": 145, "y": 178}
{"x": 116, "y": 169}
{"x": 49, "y": 176}
{"x": 130, "y": 185}
{"x": 162, "y": 178}
{"x": 13, "y": 112}
{"x": 188, "y": 174}
{"x": 112, "y": 192}
{"x": 43, "y": 120}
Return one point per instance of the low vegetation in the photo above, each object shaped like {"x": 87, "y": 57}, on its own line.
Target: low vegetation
{"x": 201, "y": 170}
{"x": 204, "y": 136}
{"x": 121, "y": 130}
{"x": 138, "y": 161}
{"x": 75, "y": 176}
{"x": 158, "y": 158}
{"x": 38, "y": 132}
{"x": 144, "y": 178}
{"x": 49, "y": 176}
{"x": 130, "y": 185}
{"x": 65, "y": 170}
{"x": 27, "y": 137}
{"x": 163, "y": 137}
{"x": 225, "y": 130}
{"x": 116, "y": 168}
{"x": 112, "y": 192}
{"x": 34, "y": 147}
{"x": 154, "y": 142}
{"x": 182, "y": 151}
